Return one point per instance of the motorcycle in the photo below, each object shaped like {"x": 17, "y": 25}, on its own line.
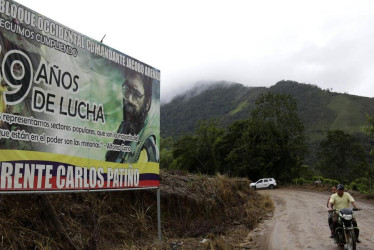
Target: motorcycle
{"x": 345, "y": 231}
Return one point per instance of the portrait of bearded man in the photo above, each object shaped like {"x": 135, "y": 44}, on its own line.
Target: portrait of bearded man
{"x": 137, "y": 100}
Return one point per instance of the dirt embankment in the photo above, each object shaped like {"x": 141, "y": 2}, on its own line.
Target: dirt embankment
{"x": 197, "y": 212}
{"x": 300, "y": 222}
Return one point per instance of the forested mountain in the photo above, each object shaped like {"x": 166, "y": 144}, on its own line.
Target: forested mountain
{"x": 319, "y": 110}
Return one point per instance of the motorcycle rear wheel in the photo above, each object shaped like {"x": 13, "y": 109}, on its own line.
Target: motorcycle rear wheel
{"x": 351, "y": 241}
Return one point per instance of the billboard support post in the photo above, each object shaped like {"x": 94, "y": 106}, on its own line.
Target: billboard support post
{"x": 158, "y": 214}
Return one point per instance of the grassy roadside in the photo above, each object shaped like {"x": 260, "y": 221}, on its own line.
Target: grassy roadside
{"x": 198, "y": 211}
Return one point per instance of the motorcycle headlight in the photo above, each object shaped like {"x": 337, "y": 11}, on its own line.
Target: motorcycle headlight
{"x": 347, "y": 216}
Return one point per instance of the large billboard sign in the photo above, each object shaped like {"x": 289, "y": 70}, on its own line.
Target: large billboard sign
{"x": 75, "y": 114}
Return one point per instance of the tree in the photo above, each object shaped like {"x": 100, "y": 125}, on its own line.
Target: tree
{"x": 369, "y": 131}
{"x": 342, "y": 157}
{"x": 270, "y": 143}
{"x": 231, "y": 141}
{"x": 185, "y": 154}
{"x": 284, "y": 142}
{"x": 195, "y": 153}
{"x": 208, "y": 133}
{"x": 166, "y": 155}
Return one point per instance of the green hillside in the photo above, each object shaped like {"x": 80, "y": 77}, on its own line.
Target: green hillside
{"x": 319, "y": 110}
{"x": 219, "y": 100}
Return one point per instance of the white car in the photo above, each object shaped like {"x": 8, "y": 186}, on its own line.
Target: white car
{"x": 269, "y": 183}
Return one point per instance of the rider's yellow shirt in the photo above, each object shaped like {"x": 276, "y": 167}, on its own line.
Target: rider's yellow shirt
{"x": 341, "y": 202}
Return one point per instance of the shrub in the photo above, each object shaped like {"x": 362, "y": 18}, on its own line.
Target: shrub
{"x": 301, "y": 181}
{"x": 329, "y": 181}
{"x": 361, "y": 185}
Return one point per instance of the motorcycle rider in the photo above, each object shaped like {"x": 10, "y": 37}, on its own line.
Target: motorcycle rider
{"x": 341, "y": 200}
{"x": 329, "y": 219}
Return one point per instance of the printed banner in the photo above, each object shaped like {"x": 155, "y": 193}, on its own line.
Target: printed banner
{"x": 75, "y": 114}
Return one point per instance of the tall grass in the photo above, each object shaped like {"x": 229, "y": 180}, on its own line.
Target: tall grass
{"x": 191, "y": 205}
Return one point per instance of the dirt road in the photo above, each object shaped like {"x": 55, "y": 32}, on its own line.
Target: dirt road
{"x": 300, "y": 222}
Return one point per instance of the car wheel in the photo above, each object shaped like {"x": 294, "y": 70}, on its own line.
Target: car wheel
{"x": 271, "y": 187}
{"x": 254, "y": 188}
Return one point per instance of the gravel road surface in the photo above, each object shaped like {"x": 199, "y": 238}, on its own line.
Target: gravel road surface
{"x": 300, "y": 222}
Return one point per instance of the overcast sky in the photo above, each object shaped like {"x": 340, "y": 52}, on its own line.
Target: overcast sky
{"x": 256, "y": 43}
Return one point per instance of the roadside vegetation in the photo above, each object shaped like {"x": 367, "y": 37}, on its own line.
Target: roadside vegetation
{"x": 361, "y": 185}
{"x": 198, "y": 212}
{"x": 272, "y": 143}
